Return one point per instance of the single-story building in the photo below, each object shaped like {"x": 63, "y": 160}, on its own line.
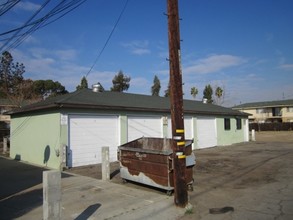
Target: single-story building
{"x": 71, "y": 129}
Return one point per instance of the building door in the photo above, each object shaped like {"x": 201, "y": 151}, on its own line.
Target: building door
{"x": 87, "y": 135}
{"x": 206, "y": 132}
{"x": 188, "y": 129}
{"x": 144, "y": 126}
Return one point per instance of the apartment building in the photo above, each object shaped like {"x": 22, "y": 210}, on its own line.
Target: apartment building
{"x": 272, "y": 111}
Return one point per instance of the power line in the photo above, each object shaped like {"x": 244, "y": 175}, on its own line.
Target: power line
{"x": 7, "y": 6}
{"x": 61, "y": 9}
{"x": 57, "y": 9}
{"x": 108, "y": 39}
{"x": 27, "y": 22}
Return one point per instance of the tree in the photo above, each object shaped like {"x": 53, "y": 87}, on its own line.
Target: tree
{"x": 219, "y": 92}
{"x": 83, "y": 84}
{"x": 156, "y": 87}
{"x": 120, "y": 82}
{"x": 48, "y": 88}
{"x": 10, "y": 76}
{"x": 193, "y": 92}
{"x": 167, "y": 91}
{"x": 208, "y": 93}
{"x": 26, "y": 94}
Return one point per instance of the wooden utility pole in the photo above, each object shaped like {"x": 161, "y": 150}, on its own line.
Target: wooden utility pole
{"x": 176, "y": 99}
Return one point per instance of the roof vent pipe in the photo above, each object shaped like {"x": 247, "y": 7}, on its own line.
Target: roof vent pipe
{"x": 204, "y": 100}
{"x": 96, "y": 87}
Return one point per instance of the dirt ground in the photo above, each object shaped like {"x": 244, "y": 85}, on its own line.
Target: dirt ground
{"x": 203, "y": 157}
{"x": 274, "y": 136}
{"x": 225, "y": 174}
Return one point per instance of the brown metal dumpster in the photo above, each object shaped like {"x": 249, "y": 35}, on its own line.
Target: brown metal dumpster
{"x": 149, "y": 161}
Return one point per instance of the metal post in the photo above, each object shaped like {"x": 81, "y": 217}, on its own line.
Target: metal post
{"x": 176, "y": 99}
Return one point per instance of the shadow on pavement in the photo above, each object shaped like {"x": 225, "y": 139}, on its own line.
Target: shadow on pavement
{"x": 17, "y": 176}
{"x": 21, "y": 188}
{"x": 88, "y": 212}
{"x": 16, "y": 206}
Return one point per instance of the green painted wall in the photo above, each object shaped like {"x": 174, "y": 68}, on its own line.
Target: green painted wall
{"x": 123, "y": 129}
{"x": 232, "y": 136}
{"x": 36, "y": 139}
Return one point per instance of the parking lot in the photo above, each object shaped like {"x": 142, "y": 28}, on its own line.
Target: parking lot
{"x": 255, "y": 179}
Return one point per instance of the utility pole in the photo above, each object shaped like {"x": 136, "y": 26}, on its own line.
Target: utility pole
{"x": 176, "y": 100}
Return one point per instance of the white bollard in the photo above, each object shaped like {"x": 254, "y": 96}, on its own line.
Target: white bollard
{"x": 4, "y": 145}
{"x": 253, "y": 135}
{"x": 105, "y": 164}
{"x": 52, "y": 195}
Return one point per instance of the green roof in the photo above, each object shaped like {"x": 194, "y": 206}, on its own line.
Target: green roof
{"x": 11, "y": 103}
{"x": 87, "y": 99}
{"x": 279, "y": 103}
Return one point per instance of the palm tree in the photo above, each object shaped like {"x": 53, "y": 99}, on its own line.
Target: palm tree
{"x": 194, "y": 92}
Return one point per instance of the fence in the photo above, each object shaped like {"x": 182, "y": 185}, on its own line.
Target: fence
{"x": 276, "y": 126}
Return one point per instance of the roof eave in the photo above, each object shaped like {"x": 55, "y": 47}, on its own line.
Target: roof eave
{"x": 33, "y": 109}
{"x": 126, "y": 108}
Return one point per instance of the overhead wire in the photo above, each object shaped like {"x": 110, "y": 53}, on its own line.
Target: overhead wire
{"x": 61, "y": 9}
{"x": 108, "y": 39}
{"x": 57, "y": 9}
{"x": 34, "y": 27}
{"x": 5, "y": 7}
{"x": 37, "y": 22}
{"x": 27, "y": 22}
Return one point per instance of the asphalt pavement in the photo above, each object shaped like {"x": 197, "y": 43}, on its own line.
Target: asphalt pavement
{"x": 21, "y": 197}
{"x": 255, "y": 179}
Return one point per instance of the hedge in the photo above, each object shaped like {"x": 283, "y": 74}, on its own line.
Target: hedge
{"x": 275, "y": 126}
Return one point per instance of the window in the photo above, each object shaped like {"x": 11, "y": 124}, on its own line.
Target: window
{"x": 238, "y": 123}
{"x": 227, "y": 125}
{"x": 277, "y": 111}
{"x": 260, "y": 111}
{"x": 289, "y": 109}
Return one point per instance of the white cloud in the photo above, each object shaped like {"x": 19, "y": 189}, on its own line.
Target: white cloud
{"x": 139, "y": 82}
{"x": 31, "y": 40}
{"x": 141, "y": 51}
{"x": 69, "y": 54}
{"x": 41, "y": 63}
{"x": 269, "y": 37}
{"x": 27, "y": 6}
{"x": 286, "y": 66}
{"x": 214, "y": 63}
{"x": 66, "y": 54}
{"x": 137, "y": 47}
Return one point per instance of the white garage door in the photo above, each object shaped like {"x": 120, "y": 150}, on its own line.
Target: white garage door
{"x": 206, "y": 132}
{"x": 188, "y": 128}
{"x": 87, "y": 136}
{"x": 143, "y": 126}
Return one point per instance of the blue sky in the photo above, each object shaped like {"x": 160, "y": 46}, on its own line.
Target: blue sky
{"x": 243, "y": 46}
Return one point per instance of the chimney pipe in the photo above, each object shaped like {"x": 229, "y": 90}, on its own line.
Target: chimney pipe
{"x": 96, "y": 87}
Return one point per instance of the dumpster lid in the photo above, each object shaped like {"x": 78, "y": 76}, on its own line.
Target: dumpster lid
{"x": 151, "y": 145}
